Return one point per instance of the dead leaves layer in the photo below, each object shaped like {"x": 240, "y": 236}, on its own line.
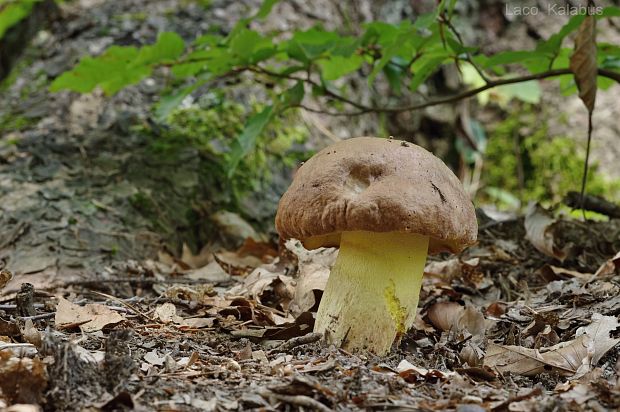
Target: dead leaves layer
{"x": 567, "y": 358}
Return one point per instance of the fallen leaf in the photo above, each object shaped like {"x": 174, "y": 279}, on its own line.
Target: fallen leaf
{"x": 539, "y": 227}
{"x": 266, "y": 285}
{"x": 5, "y": 277}
{"x": 212, "y": 273}
{"x": 411, "y": 373}
{"x": 235, "y": 264}
{"x": 89, "y": 318}
{"x": 167, "y": 313}
{"x": 550, "y": 273}
{"x": 450, "y": 316}
{"x": 567, "y": 358}
{"x": 204, "y": 256}
{"x": 95, "y": 357}
{"x": 197, "y": 293}
{"x": 599, "y": 331}
{"x": 313, "y": 271}
{"x": 445, "y": 315}
{"x": 609, "y": 268}
{"x": 22, "y": 380}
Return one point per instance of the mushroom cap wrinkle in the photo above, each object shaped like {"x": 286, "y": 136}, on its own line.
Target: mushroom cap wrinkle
{"x": 376, "y": 185}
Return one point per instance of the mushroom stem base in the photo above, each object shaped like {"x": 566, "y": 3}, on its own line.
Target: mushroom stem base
{"x": 372, "y": 293}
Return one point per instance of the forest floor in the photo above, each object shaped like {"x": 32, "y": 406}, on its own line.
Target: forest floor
{"x": 119, "y": 317}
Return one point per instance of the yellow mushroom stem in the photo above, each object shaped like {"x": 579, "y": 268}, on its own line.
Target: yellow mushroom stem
{"x": 372, "y": 292}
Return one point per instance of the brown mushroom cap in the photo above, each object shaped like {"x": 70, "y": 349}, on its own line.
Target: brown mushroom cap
{"x": 377, "y": 185}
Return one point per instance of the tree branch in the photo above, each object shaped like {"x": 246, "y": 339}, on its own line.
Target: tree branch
{"x": 460, "y": 96}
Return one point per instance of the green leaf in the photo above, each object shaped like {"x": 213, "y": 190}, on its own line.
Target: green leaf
{"x": 424, "y": 69}
{"x": 380, "y": 33}
{"x": 394, "y": 74}
{"x": 246, "y": 141}
{"x": 403, "y": 45}
{"x": 169, "y": 47}
{"x": 250, "y": 46}
{"x": 458, "y": 47}
{"x": 111, "y": 71}
{"x": 553, "y": 44}
{"x": 306, "y": 46}
{"x": 208, "y": 40}
{"x": 426, "y": 20}
{"x": 335, "y": 67}
{"x": 170, "y": 102}
{"x": 265, "y": 8}
{"x": 182, "y": 70}
{"x": 13, "y": 13}
{"x": 511, "y": 57}
{"x": 528, "y": 92}
{"x": 293, "y": 96}
{"x": 611, "y": 11}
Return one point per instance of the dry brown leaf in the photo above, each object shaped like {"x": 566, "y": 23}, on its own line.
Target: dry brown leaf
{"x": 567, "y": 358}
{"x": 610, "y": 267}
{"x": 444, "y": 269}
{"x": 267, "y": 282}
{"x": 5, "y": 277}
{"x": 196, "y": 261}
{"x": 196, "y": 293}
{"x": 212, "y": 272}
{"x": 236, "y": 264}
{"x": 550, "y": 273}
{"x": 539, "y": 227}
{"x": 314, "y": 268}
{"x": 22, "y": 380}
{"x": 89, "y": 318}
{"x": 599, "y": 330}
{"x": 583, "y": 62}
{"x": 445, "y": 315}
{"x": 411, "y": 373}
{"x": 167, "y": 313}
{"x": 450, "y": 316}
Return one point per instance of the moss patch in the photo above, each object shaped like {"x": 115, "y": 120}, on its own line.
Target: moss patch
{"x": 524, "y": 163}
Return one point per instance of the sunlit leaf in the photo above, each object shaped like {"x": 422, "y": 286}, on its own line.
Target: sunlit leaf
{"x": 169, "y": 47}
{"x": 13, "y": 13}
{"x": 110, "y": 71}
{"x": 265, "y": 8}
{"x": 337, "y": 66}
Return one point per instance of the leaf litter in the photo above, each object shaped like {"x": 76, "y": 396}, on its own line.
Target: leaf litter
{"x": 491, "y": 323}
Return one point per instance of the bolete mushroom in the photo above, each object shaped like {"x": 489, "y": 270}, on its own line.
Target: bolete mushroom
{"x": 386, "y": 203}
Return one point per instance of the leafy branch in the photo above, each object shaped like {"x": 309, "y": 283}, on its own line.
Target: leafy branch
{"x": 405, "y": 55}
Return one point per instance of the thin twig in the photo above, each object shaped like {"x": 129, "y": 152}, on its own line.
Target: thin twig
{"x": 464, "y": 95}
{"x": 468, "y": 56}
{"x": 297, "y": 341}
{"x": 122, "y": 302}
{"x": 297, "y": 400}
{"x": 39, "y": 317}
{"x": 585, "y": 167}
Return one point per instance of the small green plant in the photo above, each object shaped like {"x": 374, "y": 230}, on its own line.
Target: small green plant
{"x": 524, "y": 163}
{"x": 211, "y": 127}
{"x": 320, "y": 61}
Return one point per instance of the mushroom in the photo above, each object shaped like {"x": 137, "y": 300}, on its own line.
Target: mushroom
{"x": 386, "y": 203}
